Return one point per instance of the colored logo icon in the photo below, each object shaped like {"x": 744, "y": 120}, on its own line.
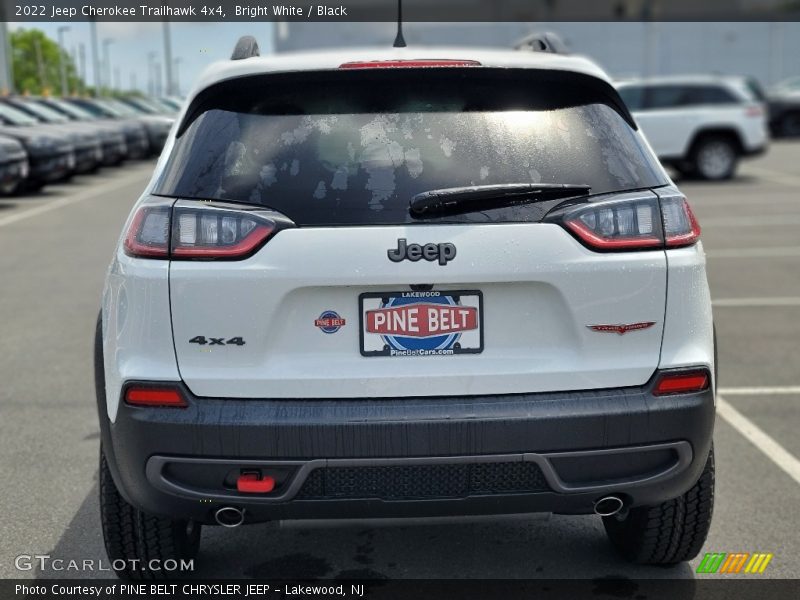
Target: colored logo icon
{"x": 329, "y": 322}
{"x": 735, "y": 562}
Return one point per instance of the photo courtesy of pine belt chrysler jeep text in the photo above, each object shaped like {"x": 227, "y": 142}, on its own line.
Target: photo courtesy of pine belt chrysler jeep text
{"x": 444, "y": 283}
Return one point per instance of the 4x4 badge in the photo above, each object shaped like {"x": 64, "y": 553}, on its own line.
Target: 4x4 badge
{"x": 414, "y": 252}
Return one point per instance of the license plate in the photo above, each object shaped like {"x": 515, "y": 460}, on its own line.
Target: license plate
{"x": 421, "y": 323}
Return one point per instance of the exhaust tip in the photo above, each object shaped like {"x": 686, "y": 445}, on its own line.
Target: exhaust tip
{"x": 229, "y": 516}
{"x": 608, "y": 506}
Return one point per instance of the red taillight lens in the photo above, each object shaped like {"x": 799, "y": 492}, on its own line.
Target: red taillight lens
{"x": 680, "y": 225}
{"x": 639, "y": 224}
{"x": 754, "y": 111}
{"x": 619, "y": 225}
{"x": 681, "y": 382}
{"x": 147, "y": 396}
{"x": 148, "y": 234}
{"x": 196, "y": 230}
{"x": 399, "y": 64}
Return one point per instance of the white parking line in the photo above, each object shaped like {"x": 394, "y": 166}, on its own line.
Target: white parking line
{"x": 761, "y": 391}
{"x": 773, "y": 176}
{"x": 751, "y": 221}
{"x": 757, "y": 302}
{"x": 768, "y": 252}
{"x": 761, "y": 440}
{"x": 86, "y": 194}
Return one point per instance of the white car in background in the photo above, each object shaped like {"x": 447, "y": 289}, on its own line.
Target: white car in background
{"x": 701, "y": 124}
{"x": 404, "y": 283}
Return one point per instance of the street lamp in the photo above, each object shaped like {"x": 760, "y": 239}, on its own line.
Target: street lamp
{"x": 176, "y": 91}
{"x": 151, "y": 73}
{"x": 62, "y": 63}
{"x": 95, "y": 57}
{"x": 168, "y": 58}
{"x": 107, "y": 61}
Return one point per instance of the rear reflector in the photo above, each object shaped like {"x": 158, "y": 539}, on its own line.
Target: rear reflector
{"x": 683, "y": 382}
{"x": 400, "y": 64}
{"x": 141, "y": 396}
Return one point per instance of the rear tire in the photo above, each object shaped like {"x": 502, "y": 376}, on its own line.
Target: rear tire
{"x": 132, "y": 535}
{"x": 667, "y": 533}
{"x": 715, "y": 157}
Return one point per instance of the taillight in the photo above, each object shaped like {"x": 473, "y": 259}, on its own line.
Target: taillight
{"x": 155, "y": 396}
{"x": 754, "y": 111}
{"x": 680, "y": 225}
{"x": 197, "y": 230}
{"x": 637, "y": 224}
{"x": 682, "y": 382}
{"x": 148, "y": 234}
{"x": 200, "y": 233}
{"x": 399, "y": 64}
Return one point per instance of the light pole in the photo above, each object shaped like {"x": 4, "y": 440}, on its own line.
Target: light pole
{"x": 6, "y": 66}
{"x": 168, "y": 58}
{"x": 95, "y": 57}
{"x": 62, "y": 58}
{"x": 157, "y": 71}
{"x": 82, "y": 63}
{"x": 151, "y": 73}
{"x": 177, "y": 82}
{"x": 107, "y": 61}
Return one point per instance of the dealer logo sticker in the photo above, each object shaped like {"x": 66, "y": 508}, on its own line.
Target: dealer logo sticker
{"x": 329, "y": 322}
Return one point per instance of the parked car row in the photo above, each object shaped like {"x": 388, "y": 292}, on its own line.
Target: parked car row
{"x": 45, "y": 140}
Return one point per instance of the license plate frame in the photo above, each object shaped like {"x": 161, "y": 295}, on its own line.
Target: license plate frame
{"x": 425, "y": 343}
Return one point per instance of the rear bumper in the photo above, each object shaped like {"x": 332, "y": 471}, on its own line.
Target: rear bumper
{"x": 756, "y": 150}
{"x": 555, "y": 452}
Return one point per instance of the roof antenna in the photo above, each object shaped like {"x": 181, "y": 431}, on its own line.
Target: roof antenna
{"x": 399, "y": 42}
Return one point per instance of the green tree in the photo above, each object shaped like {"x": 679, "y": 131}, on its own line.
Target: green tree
{"x": 36, "y": 65}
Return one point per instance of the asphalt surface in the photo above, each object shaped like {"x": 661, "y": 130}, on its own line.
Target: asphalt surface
{"x": 54, "y": 249}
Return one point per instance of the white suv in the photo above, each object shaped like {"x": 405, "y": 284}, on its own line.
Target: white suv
{"x": 406, "y": 283}
{"x": 700, "y": 125}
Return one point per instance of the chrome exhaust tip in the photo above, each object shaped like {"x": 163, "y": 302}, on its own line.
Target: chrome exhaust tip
{"x": 229, "y": 516}
{"x": 608, "y": 506}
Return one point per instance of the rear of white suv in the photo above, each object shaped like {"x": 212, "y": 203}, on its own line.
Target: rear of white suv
{"x": 406, "y": 286}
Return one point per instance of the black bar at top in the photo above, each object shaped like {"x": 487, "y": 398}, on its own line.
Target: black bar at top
{"x": 386, "y": 10}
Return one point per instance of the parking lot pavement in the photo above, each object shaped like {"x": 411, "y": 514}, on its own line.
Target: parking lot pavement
{"x": 53, "y": 253}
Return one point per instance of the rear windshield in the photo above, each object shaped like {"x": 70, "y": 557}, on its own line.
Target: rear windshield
{"x": 353, "y": 147}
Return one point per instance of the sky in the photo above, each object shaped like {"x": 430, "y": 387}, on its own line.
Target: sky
{"x": 195, "y": 44}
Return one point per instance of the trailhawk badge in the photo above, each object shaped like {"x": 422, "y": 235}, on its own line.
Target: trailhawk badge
{"x": 623, "y": 328}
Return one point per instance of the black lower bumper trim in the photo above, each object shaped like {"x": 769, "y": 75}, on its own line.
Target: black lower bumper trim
{"x": 184, "y": 462}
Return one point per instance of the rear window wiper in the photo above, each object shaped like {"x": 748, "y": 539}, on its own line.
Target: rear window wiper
{"x": 484, "y": 197}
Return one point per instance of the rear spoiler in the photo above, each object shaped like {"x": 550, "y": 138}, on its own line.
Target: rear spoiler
{"x": 266, "y": 93}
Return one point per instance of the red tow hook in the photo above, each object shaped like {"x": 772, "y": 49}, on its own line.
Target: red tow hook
{"x": 253, "y": 483}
